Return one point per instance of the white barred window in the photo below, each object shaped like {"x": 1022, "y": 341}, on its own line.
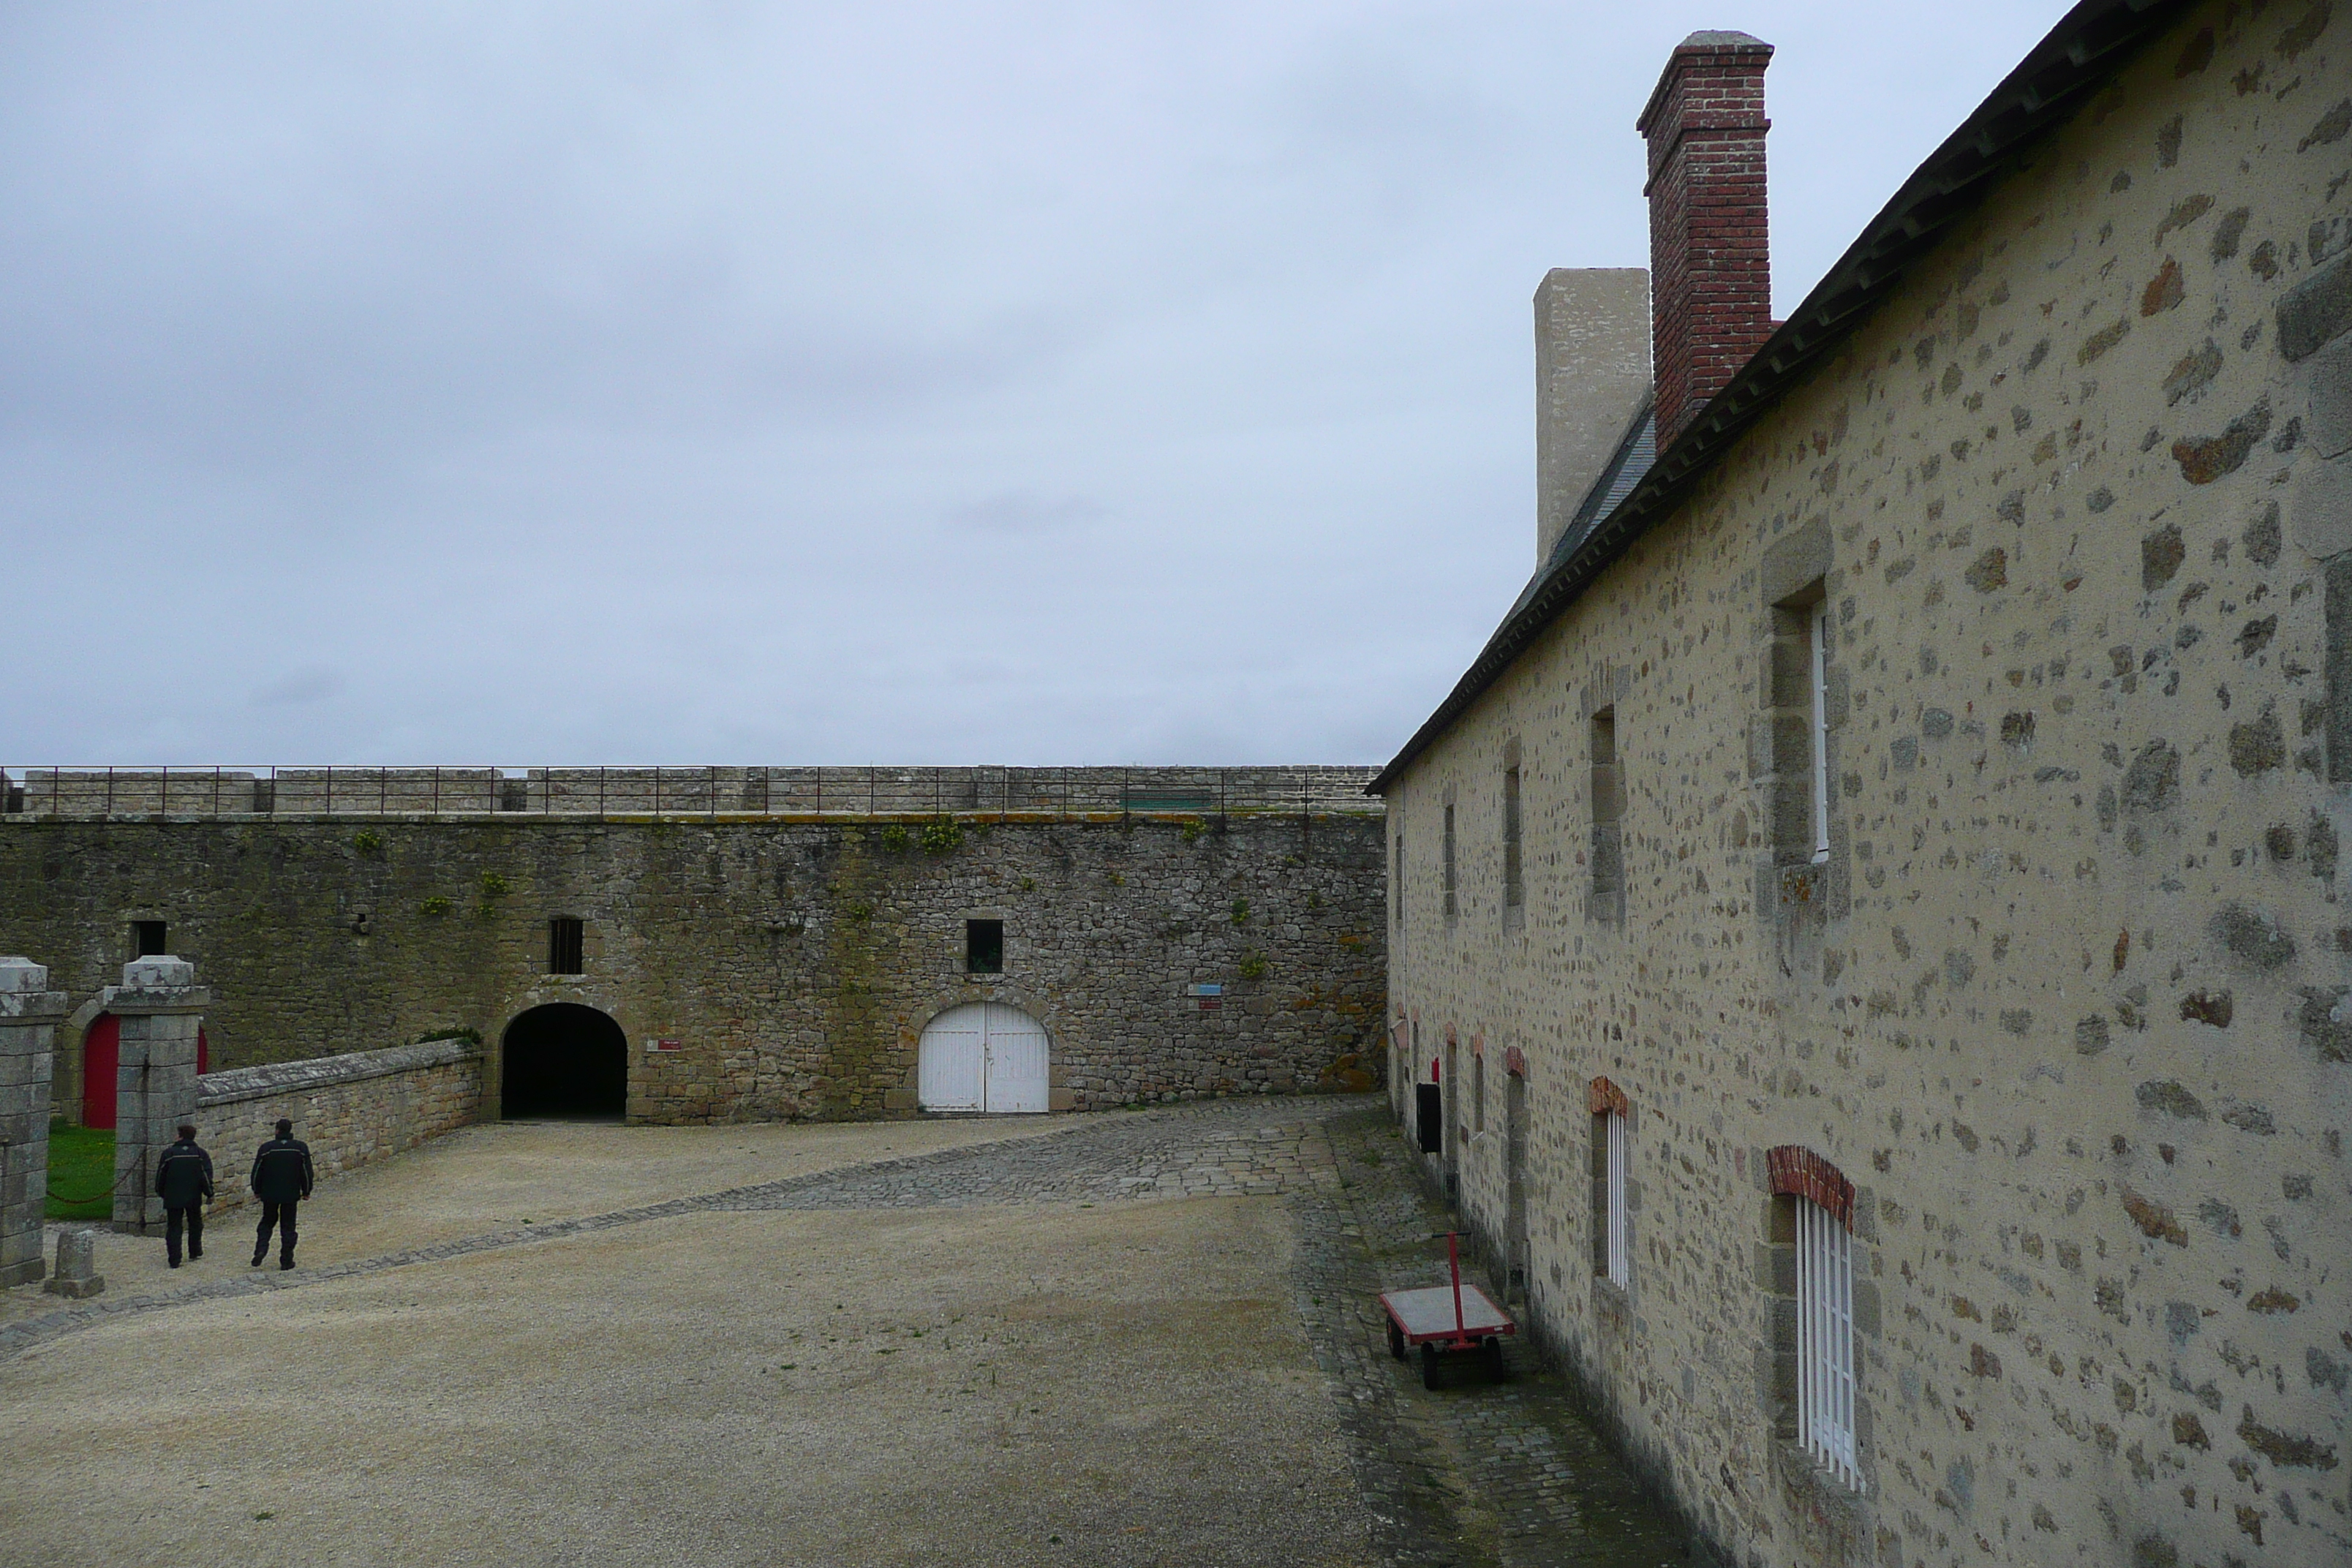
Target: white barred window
{"x": 1617, "y": 1257}
{"x": 1825, "y": 1383}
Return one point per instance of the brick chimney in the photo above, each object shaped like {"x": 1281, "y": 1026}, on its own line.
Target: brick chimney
{"x": 1710, "y": 256}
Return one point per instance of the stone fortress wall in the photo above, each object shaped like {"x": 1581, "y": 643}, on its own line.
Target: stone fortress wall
{"x": 2070, "y": 998}
{"x": 791, "y": 956}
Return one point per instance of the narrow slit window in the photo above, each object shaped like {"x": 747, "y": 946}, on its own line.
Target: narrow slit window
{"x": 1400, "y": 881}
{"x": 983, "y": 947}
{"x": 563, "y": 946}
{"x": 1818, "y": 638}
{"x": 151, "y": 938}
{"x": 1608, "y": 796}
{"x": 1515, "y": 893}
{"x": 1617, "y": 1257}
{"x": 1478, "y": 1092}
{"x": 1825, "y": 1380}
{"x": 1451, "y": 906}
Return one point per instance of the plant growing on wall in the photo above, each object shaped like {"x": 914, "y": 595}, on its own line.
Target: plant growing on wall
{"x": 466, "y": 1032}
{"x": 434, "y": 908}
{"x": 895, "y": 839}
{"x": 1253, "y": 965}
{"x": 942, "y": 835}
{"x": 1191, "y": 829}
{"x": 1241, "y": 911}
{"x": 494, "y": 885}
{"x": 369, "y": 843}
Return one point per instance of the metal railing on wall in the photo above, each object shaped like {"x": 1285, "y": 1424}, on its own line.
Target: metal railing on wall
{"x": 46, "y": 793}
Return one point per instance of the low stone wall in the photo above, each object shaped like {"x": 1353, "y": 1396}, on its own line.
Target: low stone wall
{"x": 352, "y": 1110}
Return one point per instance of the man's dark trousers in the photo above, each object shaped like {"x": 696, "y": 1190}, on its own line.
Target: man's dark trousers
{"x": 192, "y": 1217}
{"x": 281, "y": 1217}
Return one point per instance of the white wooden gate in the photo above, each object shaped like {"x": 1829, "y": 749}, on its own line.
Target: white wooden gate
{"x": 983, "y": 1056}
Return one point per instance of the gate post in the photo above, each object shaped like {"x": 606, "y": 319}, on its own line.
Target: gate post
{"x": 162, "y": 1008}
{"x": 29, "y": 1012}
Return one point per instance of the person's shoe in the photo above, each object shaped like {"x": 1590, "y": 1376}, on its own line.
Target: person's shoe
{"x": 257, "y": 1259}
{"x": 284, "y": 1263}
{"x": 173, "y": 1261}
{"x": 194, "y": 1254}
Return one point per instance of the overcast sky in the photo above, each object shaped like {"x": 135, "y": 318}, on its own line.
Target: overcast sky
{"x": 776, "y": 384}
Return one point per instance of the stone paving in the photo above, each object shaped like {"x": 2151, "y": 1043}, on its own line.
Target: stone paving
{"x": 1480, "y": 1473}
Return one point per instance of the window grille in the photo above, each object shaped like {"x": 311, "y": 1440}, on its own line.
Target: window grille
{"x": 563, "y": 946}
{"x": 1618, "y": 1255}
{"x": 1819, "y": 639}
{"x": 1825, "y": 1382}
{"x": 983, "y": 947}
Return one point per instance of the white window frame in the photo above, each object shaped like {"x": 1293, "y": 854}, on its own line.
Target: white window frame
{"x": 1818, "y": 635}
{"x": 1616, "y": 1251}
{"x": 1825, "y": 1380}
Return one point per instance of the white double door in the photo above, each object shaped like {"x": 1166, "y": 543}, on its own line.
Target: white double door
{"x": 983, "y": 1056}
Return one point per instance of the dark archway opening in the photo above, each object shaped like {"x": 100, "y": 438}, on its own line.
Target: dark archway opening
{"x": 565, "y": 1062}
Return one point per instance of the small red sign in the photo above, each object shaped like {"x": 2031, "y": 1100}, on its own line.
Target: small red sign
{"x": 668, "y": 1045}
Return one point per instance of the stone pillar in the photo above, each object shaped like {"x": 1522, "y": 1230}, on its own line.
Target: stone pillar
{"x": 29, "y": 1012}
{"x": 161, "y": 1006}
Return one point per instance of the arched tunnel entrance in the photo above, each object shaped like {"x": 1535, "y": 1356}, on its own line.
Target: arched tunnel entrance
{"x": 565, "y": 1062}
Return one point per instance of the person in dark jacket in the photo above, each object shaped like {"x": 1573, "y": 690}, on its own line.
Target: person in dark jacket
{"x": 184, "y": 1179}
{"x": 282, "y": 1178}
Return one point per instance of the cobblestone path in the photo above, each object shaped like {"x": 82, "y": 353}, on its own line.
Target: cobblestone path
{"x": 1483, "y": 1474}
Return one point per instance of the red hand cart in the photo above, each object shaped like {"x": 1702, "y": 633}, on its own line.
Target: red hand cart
{"x": 1444, "y": 1319}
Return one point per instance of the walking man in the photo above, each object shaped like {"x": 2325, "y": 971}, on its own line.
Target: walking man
{"x": 282, "y": 1178}
{"x": 184, "y": 1179}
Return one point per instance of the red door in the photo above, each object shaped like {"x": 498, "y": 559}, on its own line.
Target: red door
{"x": 102, "y": 1054}
{"x": 100, "y": 1044}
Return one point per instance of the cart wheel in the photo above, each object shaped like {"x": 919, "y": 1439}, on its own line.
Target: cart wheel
{"x": 1493, "y": 1352}
{"x": 1396, "y": 1340}
{"x": 1429, "y": 1378}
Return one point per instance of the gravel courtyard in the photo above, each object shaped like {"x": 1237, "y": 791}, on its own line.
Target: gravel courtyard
{"x": 1133, "y": 1338}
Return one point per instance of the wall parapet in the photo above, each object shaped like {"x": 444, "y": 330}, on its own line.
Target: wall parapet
{"x": 48, "y": 794}
{"x": 352, "y": 1109}
{"x": 237, "y": 1085}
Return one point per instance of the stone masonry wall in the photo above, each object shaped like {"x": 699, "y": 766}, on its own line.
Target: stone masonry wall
{"x": 793, "y": 964}
{"x": 352, "y": 1110}
{"x": 2068, "y": 1000}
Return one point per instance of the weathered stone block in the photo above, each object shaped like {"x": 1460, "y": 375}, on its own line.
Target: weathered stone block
{"x": 2328, "y": 426}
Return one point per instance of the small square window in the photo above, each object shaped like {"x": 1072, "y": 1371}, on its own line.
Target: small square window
{"x": 563, "y": 946}
{"x": 151, "y": 938}
{"x": 983, "y": 947}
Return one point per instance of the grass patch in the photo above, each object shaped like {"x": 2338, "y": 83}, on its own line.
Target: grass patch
{"x": 81, "y": 1164}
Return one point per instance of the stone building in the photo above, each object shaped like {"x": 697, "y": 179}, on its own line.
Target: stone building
{"x": 1872, "y": 909}
{"x": 713, "y": 944}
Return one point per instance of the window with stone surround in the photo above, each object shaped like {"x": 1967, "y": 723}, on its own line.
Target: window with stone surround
{"x": 983, "y": 947}
{"x": 1797, "y": 715}
{"x": 1813, "y": 1276}
{"x": 1607, "y": 901}
{"x": 149, "y": 938}
{"x": 1478, "y": 1087}
{"x": 1612, "y": 1227}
